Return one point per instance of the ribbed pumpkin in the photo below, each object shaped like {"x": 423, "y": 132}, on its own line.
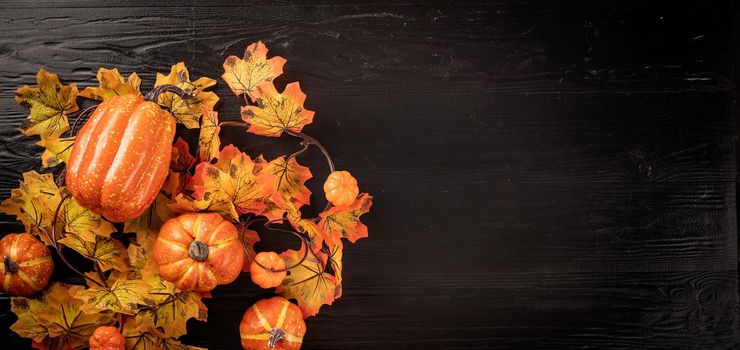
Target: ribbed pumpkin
{"x": 107, "y": 338}
{"x": 273, "y": 323}
{"x": 267, "y": 278}
{"x": 197, "y": 251}
{"x": 340, "y": 188}
{"x": 26, "y": 264}
{"x": 121, "y": 157}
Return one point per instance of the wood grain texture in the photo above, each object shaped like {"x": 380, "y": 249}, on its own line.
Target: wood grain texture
{"x": 546, "y": 175}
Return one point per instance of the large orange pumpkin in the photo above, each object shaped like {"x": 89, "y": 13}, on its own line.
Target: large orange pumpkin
{"x": 121, "y": 157}
{"x": 197, "y": 251}
{"x": 107, "y": 338}
{"x": 26, "y": 265}
{"x": 273, "y": 323}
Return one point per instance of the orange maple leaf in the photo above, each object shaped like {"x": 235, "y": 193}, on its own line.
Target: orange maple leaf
{"x": 308, "y": 283}
{"x": 277, "y": 112}
{"x": 243, "y": 75}
{"x": 286, "y": 181}
{"x": 344, "y": 222}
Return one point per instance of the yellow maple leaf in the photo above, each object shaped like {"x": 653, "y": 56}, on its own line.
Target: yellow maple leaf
{"x": 56, "y": 150}
{"x": 140, "y": 266}
{"x": 56, "y": 317}
{"x": 308, "y": 283}
{"x": 208, "y": 140}
{"x": 171, "y": 308}
{"x": 244, "y": 74}
{"x": 277, "y": 112}
{"x": 108, "y": 253}
{"x": 344, "y": 222}
{"x": 186, "y": 111}
{"x": 112, "y": 84}
{"x": 50, "y": 104}
{"x": 121, "y": 295}
{"x": 82, "y": 222}
{"x": 147, "y": 225}
{"x": 286, "y": 181}
{"x": 335, "y": 261}
{"x": 140, "y": 335}
{"x": 33, "y": 202}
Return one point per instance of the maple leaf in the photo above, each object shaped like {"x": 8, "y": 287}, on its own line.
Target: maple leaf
{"x": 180, "y": 163}
{"x": 82, "y": 222}
{"x": 243, "y": 75}
{"x": 50, "y": 104}
{"x": 344, "y": 222}
{"x": 140, "y": 266}
{"x": 228, "y": 187}
{"x": 335, "y": 261}
{"x": 310, "y": 228}
{"x": 188, "y": 111}
{"x": 171, "y": 308}
{"x": 287, "y": 179}
{"x": 118, "y": 294}
{"x": 250, "y": 237}
{"x": 308, "y": 283}
{"x": 56, "y": 150}
{"x": 277, "y": 112}
{"x": 140, "y": 336}
{"x": 107, "y": 252}
{"x": 55, "y": 317}
{"x": 112, "y": 84}
{"x": 34, "y": 202}
{"x": 208, "y": 140}
{"x": 148, "y": 224}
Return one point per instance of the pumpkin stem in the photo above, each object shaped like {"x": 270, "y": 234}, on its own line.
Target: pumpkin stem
{"x": 198, "y": 251}
{"x": 186, "y": 94}
{"x": 11, "y": 266}
{"x": 276, "y": 335}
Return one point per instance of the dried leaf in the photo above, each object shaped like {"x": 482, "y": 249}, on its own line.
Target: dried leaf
{"x": 147, "y": 225}
{"x": 228, "y": 187}
{"x": 112, "y": 84}
{"x": 181, "y": 161}
{"x": 107, "y": 252}
{"x": 344, "y": 222}
{"x": 186, "y": 111}
{"x": 55, "y": 317}
{"x": 33, "y": 202}
{"x": 121, "y": 295}
{"x": 243, "y": 75}
{"x": 171, "y": 308}
{"x": 82, "y": 222}
{"x": 308, "y": 282}
{"x": 50, "y": 103}
{"x": 56, "y": 150}
{"x": 275, "y": 112}
{"x": 208, "y": 140}
{"x": 286, "y": 181}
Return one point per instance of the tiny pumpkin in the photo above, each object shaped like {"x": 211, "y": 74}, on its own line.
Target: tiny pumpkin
{"x": 26, "y": 265}
{"x": 267, "y": 278}
{"x": 197, "y": 251}
{"x": 121, "y": 157}
{"x": 273, "y": 323}
{"x": 340, "y": 188}
{"x": 107, "y": 338}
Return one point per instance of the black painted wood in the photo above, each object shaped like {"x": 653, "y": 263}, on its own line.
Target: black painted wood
{"x": 546, "y": 174}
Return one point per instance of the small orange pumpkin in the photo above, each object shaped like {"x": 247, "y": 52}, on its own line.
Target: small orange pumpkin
{"x": 107, "y": 338}
{"x": 121, "y": 157}
{"x": 26, "y": 265}
{"x": 340, "y": 188}
{"x": 197, "y": 251}
{"x": 273, "y": 323}
{"x": 265, "y": 278}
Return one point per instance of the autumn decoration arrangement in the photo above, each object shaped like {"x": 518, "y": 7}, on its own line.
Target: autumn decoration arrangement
{"x": 156, "y": 228}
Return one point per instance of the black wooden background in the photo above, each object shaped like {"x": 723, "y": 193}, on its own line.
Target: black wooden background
{"x": 546, "y": 174}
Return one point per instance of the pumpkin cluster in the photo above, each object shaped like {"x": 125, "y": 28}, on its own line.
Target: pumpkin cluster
{"x": 164, "y": 226}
